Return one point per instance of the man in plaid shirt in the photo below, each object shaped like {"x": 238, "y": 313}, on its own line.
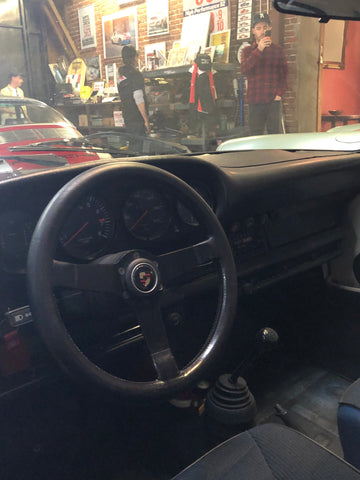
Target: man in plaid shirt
{"x": 265, "y": 66}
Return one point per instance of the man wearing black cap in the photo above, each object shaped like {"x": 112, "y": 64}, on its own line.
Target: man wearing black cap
{"x": 132, "y": 93}
{"x": 13, "y": 88}
{"x": 265, "y": 66}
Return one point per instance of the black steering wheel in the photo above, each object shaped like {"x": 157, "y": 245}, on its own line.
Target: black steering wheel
{"x": 140, "y": 276}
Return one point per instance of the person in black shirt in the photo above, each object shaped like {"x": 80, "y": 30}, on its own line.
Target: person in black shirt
{"x": 132, "y": 93}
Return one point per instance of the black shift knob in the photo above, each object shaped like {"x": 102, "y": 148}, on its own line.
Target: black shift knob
{"x": 267, "y": 336}
{"x": 266, "y": 339}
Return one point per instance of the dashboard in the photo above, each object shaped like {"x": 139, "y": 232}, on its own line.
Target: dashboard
{"x": 283, "y": 215}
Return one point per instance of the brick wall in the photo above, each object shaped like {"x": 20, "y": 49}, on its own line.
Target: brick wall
{"x": 106, "y": 7}
{"x": 287, "y": 26}
{"x": 290, "y": 45}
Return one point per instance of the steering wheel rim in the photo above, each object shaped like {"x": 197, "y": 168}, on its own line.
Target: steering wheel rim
{"x": 40, "y": 272}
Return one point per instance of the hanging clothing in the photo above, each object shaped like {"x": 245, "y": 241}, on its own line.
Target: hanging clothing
{"x": 202, "y": 90}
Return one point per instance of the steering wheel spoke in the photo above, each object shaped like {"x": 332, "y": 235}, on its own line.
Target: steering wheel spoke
{"x": 93, "y": 277}
{"x": 175, "y": 264}
{"x": 149, "y": 315}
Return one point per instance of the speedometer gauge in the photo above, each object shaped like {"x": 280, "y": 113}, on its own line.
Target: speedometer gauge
{"x": 146, "y": 214}
{"x": 88, "y": 230}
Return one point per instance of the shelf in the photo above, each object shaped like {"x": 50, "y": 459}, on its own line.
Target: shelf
{"x": 88, "y": 105}
{"x": 221, "y": 103}
{"x": 181, "y": 69}
{"x": 169, "y": 106}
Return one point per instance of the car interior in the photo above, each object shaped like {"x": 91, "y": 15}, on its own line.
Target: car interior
{"x": 182, "y": 316}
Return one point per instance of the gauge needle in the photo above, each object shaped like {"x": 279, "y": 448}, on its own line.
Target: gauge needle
{"x": 76, "y": 233}
{"x": 139, "y": 219}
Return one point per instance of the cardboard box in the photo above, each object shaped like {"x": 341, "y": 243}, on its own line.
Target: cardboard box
{"x": 96, "y": 121}
{"x": 83, "y": 120}
{"x": 118, "y": 119}
{"x": 108, "y": 122}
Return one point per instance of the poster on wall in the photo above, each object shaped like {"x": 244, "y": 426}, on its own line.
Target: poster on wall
{"x": 218, "y": 10}
{"x": 93, "y": 68}
{"x": 157, "y": 17}
{"x": 243, "y": 30}
{"x": 119, "y": 29}
{"x": 87, "y": 26}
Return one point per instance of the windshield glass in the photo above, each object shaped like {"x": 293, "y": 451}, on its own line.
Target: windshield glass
{"x": 21, "y": 112}
{"x": 188, "y": 75}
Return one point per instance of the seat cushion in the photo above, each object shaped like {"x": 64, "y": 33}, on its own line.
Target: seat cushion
{"x": 269, "y": 452}
{"x": 349, "y": 423}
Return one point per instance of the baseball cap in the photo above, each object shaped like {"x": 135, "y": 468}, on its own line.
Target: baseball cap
{"x": 15, "y": 73}
{"x": 259, "y": 18}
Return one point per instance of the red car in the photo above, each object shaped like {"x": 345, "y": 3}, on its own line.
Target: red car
{"x": 26, "y": 127}
{"x": 34, "y": 135}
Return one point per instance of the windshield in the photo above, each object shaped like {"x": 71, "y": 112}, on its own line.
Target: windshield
{"x": 189, "y": 76}
{"x": 22, "y": 112}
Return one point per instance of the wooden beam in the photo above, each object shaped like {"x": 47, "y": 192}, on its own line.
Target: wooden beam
{"x": 59, "y": 27}
{"x": 63, "y": 27}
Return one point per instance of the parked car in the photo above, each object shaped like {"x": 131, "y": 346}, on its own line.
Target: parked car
{"x": 165, "y": 308}
{"x": 121, "y": 38}
{"x": 34, "y": 135}
{"x": 342, "y": 138}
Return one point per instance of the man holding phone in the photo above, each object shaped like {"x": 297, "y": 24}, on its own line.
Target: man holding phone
{"x": 265, "y": 66}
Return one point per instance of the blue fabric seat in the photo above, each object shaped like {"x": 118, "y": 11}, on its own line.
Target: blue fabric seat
{"x": 349, "y": 423}
{"x": 269, "y": 452}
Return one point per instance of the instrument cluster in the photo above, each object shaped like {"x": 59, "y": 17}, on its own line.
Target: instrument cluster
{"x": 139, "y": 217}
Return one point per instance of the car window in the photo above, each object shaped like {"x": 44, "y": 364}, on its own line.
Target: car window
{"x": 21, "y": 113}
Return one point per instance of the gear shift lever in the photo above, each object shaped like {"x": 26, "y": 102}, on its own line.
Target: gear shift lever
{"x": 266, "y": 339}
{"x": 229, "y": 403}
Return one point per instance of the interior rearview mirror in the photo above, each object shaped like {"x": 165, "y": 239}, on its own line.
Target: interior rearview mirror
{"x": 322, "y": 9}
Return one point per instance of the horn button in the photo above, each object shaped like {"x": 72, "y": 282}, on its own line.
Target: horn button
{"x": 142, "y": 277}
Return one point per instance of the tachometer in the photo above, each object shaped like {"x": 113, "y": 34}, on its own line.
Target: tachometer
{"x": 146, "y": 214}
{"x": 88, "y": 230}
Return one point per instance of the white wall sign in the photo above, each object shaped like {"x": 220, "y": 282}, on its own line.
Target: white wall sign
{"x": 244, "y": 19}
{"x": 219, "y": 10}
{"x": 87, "y": 26}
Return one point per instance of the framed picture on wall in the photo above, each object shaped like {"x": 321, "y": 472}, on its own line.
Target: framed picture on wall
{"x": 119, "y": 29}
{"x": 334, "y": 34}
{"x": 55, "y": 70}
{"x": 157, "y": 17}
{"x": 221, "y": 42}
{"x": 177, "y": 56}
{"x": 93, "y": 68}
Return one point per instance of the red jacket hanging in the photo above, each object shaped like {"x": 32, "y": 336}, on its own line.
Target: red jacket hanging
{"x": 202, "y": 90}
